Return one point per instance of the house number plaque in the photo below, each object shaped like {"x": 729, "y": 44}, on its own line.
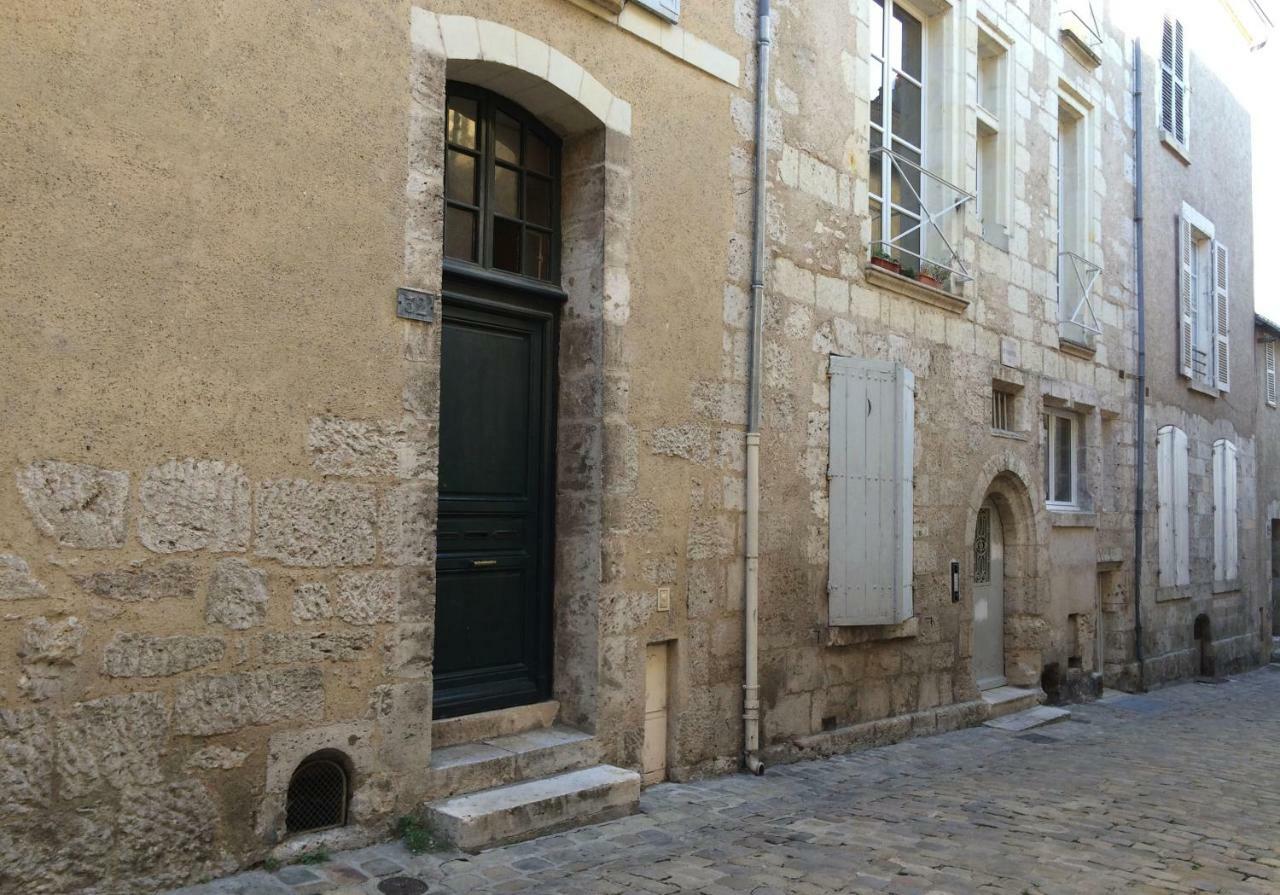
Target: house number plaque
{"x": 415, "y": 305}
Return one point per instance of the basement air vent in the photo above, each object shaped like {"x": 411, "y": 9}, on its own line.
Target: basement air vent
{"x": 317, "y": 797}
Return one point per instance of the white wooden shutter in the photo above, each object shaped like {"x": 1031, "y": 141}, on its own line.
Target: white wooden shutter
{"x": 1269, "y": 360}
{"x": 1181, "y": 509}
{"x": 667, "y": 9}
{"x": 1222, "y": 319}
{"x": 1233, "y": 517}
{"x": 1186, "y": 300}
{"x": 1226, "y": 520}
{"x": 871, "y": 517}
{"x": 1180, "y": 111}
{"x": 1173, "y": 506}
{"x": 1166, "y": 77}
{"x": 1164, "y": 506}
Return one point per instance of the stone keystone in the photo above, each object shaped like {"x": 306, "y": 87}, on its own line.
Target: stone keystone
{"x": 77, "y": 504}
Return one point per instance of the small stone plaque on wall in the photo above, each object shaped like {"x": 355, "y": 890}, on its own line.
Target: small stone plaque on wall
{"x": 415, "y": 305}
{"x": 1010, "y": 352}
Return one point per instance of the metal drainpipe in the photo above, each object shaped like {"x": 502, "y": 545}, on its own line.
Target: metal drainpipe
{"x": 751, "y": 595}
{"x": 1141, "y": 422}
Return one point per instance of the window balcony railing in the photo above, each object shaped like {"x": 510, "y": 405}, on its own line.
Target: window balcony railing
{"x": 927, "y": 239}
{"x": 1077, "y": 276}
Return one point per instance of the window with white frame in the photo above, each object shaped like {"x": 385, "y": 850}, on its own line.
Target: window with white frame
{"x": 897, "y": 129}
{"x": 1226, "y": 520}
{"x": 1204, "y": 303}
{"x": 1173, "y": 506}
{"x": 1269, "y": 371}
{"x": 1076, "y": 273}
{"x": 993, "y": 139}
{"x": 1173, "y": 83}
{"x": 1062, "y": 439}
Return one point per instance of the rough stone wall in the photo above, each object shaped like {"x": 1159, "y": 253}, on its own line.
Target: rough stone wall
{"x": 821, "y": 303}
{"x": 1214, "y": 178}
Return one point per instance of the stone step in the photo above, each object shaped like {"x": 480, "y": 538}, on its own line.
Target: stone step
{"x": 535, "y": 807}
{"x": 497, "y": 723}
{"x": 503, "y": 760}
{"x": 1008, "y": 700}
{"x": 1026, "y": 720}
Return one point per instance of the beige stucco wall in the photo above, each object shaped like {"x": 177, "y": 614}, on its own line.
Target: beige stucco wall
{"x": 208, "y": 213}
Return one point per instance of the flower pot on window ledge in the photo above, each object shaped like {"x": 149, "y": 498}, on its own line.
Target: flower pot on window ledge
{"x": 887, "y": 263}
{"x": 929, "y": 280}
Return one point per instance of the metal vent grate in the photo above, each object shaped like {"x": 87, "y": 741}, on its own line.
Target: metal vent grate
{"x": 317, "y": 797}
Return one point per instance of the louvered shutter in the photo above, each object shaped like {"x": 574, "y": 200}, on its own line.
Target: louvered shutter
{"x": 1180, "y": 85}
{"x": 870, "y": 471}
{"x": 1181, "y": 509}
{"x": 667, "y": 9}
{"x": 1166, "y": 77}
{"x": 1222, "y": 319}
{"x": 1186, "y": 301}
{"x": 1269, "y": 359}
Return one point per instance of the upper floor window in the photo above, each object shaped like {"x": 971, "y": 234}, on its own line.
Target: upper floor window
{"x": 1062, "y": 454}
{"x": 897, "y": 125}
{"x": 1077, "y": 275}
{"x": 501, "y": 186}
{"x": 1205, "y": 308}
{"x": 995, "y": 130}
{"x": 1173, "y": 83}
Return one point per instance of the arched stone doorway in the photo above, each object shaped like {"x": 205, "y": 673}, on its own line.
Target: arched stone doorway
{"x": 1003, "y": 577}
{"x": 592, "y": 127}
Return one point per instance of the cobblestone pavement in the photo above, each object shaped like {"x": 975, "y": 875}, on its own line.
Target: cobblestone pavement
{"x": 1174, "y": 791}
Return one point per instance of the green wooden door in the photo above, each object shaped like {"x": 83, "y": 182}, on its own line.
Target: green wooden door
{"x": 493, "y": 566}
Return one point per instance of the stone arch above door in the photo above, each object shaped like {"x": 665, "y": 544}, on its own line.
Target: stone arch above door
{"x": 1004, "y": 480}
{"x": 594, "y": 126}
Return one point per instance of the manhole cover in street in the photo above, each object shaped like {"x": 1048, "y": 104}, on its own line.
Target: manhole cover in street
{"x": 402, "y": 885}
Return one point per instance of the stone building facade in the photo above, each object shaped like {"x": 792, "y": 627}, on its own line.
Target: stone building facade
{"x": 275, "y": 317}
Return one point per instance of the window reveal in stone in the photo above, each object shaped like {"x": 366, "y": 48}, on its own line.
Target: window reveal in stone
{"x": 982, "y": 548}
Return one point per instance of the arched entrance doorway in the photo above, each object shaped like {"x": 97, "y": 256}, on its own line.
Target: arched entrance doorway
{"x": 988, "y": 597}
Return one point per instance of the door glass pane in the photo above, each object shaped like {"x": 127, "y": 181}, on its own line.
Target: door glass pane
{"x": 905, "y": 43}
{"x": 1062, "y": 461}
{"x": 460, "y": 177}
{"x": 506, "y": 244}
{"x": 906, "y": 111}
{"x": 537, "y": 154}
{"x": 506, "y": 138}
{"x": 506, "y": 191}
{"x": 537, "y": 254}
{"x": 459, "y": 233}
{"x": 537, "y": 201}
{"x": 461, "y": 122}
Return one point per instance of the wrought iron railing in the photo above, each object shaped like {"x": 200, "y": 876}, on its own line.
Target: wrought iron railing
{"x": 946, "y": 199}
{"x": 1077, "y": 276}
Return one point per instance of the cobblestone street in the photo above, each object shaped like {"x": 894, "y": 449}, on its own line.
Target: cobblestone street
{"x": 1173, "y": 791}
